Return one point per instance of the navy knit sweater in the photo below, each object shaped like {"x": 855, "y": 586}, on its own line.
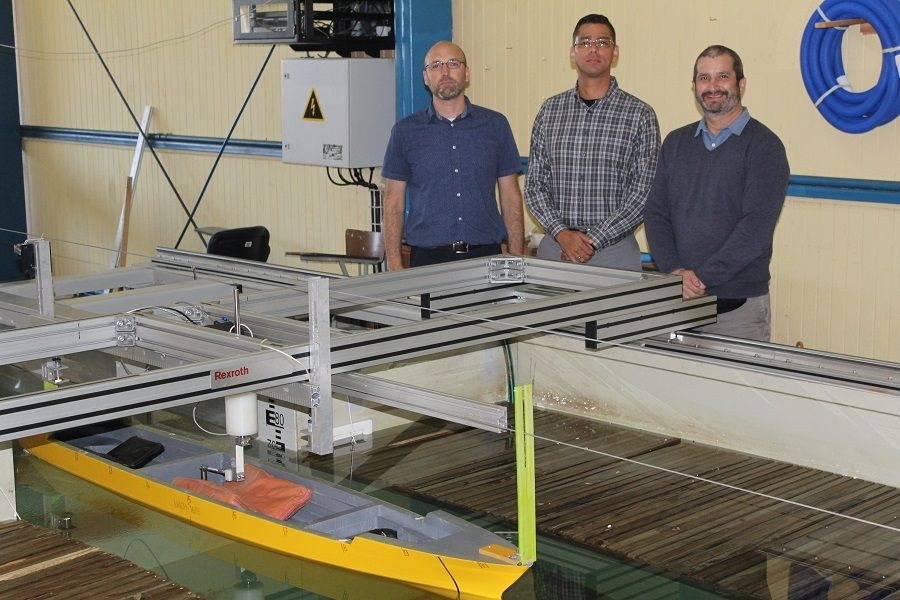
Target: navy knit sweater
{"x": 715, "y": 212}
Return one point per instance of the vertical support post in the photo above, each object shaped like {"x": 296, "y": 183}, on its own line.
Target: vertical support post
{"x": 44, "y": 277}
{"x": 238, "y": 289}
{"x": 120, "y": 245}
{"x": 590, "y": 335}
{"x": 525, "y": 475}
{"x": 7, "y": 483}
{"x": 321, "y": 426}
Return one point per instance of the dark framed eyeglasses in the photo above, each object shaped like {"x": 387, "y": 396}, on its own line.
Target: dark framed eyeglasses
{"x": 452, "y": 64}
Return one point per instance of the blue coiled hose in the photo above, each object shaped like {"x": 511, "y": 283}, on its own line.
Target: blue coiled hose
{"x": 821, "y": 65}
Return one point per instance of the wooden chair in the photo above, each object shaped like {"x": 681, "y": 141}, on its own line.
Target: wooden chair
{"x": 362, "y": 248}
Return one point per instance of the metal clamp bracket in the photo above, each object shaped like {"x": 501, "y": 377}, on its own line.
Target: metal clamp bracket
{"x": 195, "y": 313}
{"x": 506, "y": 270}
{"x": 125, "y": 331}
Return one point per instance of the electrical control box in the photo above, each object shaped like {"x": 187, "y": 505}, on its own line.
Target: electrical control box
{"x": 337, "y": 112}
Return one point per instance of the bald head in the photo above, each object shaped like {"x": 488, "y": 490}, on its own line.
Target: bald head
{"x": 448, "y": 74}
{"x": 443, "y": 50}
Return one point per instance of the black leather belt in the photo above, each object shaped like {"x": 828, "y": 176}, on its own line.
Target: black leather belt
{"x": 460, "y": 247}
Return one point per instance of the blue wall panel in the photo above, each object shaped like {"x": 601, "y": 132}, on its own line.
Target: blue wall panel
{"x": 12, "y": 186}
{"x": 419, "y": 24}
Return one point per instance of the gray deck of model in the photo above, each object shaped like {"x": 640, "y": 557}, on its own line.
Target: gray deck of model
{"x": 332, "y": 511}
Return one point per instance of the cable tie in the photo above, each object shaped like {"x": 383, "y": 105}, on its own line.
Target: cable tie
{"x": 825, "y": 18}
{"x": 836, "y": 86}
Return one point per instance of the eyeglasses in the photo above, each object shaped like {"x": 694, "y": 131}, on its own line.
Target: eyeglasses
{"x": 452, "y": 64}
{"x": 586, "y": 43}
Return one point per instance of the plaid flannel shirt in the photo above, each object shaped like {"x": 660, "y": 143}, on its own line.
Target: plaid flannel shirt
{"x": 591, "y": 167}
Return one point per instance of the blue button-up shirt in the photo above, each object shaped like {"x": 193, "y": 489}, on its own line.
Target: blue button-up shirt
{"x": 451, "y": 170}
{"x": 714, "y": 141}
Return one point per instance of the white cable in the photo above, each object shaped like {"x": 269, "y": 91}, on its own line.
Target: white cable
{"x": 243, "y": 326}
{"x": 199, "y": 426}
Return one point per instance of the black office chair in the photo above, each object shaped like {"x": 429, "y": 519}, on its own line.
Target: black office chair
{"x": 249, "y": 243}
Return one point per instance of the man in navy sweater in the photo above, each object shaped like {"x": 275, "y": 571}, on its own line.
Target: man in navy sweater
{"x": 718, "y": 192}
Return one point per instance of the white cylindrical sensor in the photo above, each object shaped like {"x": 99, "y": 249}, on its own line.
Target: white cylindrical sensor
{"x": 241, "y": 414}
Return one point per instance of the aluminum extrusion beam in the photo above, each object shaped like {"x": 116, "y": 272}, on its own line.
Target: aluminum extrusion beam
{"x": 54, "y": 339}
{"x": 139, "y": 276}
{"x": 450, "y": 282}
{"x": 635, "y": 307}
{"x": 321, "y": 413}
{"x": 43, "y": 278}
{"x": 574, "y": 276}
{"x": 798, "y": 363}
{"x": 158, "y": 295}
{"x": 639, "y": 307}
{"x": 29, "y": 414}
{"x": 169, "y": 350}
{"x": 490, "y": 417}
{"x": 225, "y": 266}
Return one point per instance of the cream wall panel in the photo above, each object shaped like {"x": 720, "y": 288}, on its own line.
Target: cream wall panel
{"x": 519, "y": 55}
{"x": 76, "y": 193}
{"x": 835, "y": 280}
{"x": 176, "y": 56}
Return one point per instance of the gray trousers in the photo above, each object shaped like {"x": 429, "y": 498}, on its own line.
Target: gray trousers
{"x": 624, "y": 254}
{"x": 751, "y": 321}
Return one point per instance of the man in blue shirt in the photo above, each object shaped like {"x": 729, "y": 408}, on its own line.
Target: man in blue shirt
{"x": 718, "y": 192}
{"x": 451, "y": 156}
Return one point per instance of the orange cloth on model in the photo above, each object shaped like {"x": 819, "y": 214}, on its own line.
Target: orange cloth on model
{"x": 260, "y": 492}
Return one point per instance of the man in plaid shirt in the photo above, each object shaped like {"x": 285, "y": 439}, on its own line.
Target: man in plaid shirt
{"x": 593, "y": 158}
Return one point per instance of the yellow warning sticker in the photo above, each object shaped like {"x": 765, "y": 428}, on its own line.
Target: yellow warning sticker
{"x": 313, "y": 111}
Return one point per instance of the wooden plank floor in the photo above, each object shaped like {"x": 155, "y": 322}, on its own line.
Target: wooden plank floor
{"x": 718, "y": 537}
{"x": 39, "y": 563}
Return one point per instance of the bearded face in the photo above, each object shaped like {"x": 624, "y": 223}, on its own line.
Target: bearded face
{"x": 715, "y": 86}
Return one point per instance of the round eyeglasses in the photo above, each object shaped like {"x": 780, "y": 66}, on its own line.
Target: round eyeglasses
{"x": 586, "y": 43}
{"x": 451, "y": 63}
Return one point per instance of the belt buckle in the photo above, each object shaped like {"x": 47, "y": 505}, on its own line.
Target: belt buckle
{"x": 460, "y": 247}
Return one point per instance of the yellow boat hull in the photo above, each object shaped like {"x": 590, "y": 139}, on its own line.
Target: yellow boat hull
{"x": 444, "y": 576}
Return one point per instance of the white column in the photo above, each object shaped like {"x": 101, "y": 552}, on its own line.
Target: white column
{"x": 7, "y": 483}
